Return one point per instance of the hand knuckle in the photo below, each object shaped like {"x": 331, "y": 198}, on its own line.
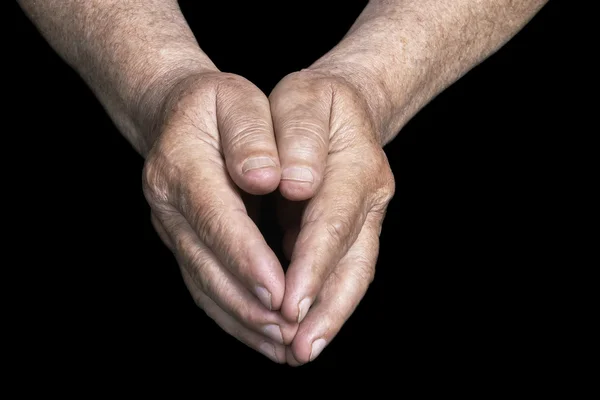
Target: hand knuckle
{"x": 246, "y": 314}
{"x": 153, "y": 182}
{"x": 365, "y": 272}
{"x": 339, "y": 228}
{"x": 383, "y": 178}
{"x": 231, "y": 87}
{"x": 389, "y": 186}
{"x": 164, "y": 168}
{"x": 208, "y": 220}
{"x": 198, "y": 263}
{"x": 307, "y": 78}
{"x": 228, "y": 78}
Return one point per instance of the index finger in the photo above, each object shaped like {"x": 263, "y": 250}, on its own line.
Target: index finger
{"x": 340, "y": 295}
{"x": 330, "y": 225}
{"x": 221, "y": 222}
{"x": 203, "y": 193}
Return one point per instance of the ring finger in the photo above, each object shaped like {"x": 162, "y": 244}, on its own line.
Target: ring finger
{"x": 218, "y": 284}
{"x": 260, "y": 343}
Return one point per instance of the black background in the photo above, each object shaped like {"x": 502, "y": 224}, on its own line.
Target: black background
{"x": 459, "y": 249}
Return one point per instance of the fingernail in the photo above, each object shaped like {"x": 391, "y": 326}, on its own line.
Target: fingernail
{"x": 297, "y": 174}
{"x": 303, "y": 307}
{"x": 264, "y": 296}
{"x": 257, "y": 163}
{"x": 268, "y": 350}
{"x": 274, "y": 332}
{"x": 317, "y": 347}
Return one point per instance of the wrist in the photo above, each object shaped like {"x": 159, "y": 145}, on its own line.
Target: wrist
{"x": 399, "y": 55}
{"x": 380, "y": 99}
{"x": 147, "y": 107}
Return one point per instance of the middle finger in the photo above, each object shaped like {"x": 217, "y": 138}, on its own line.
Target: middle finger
{"x": 221, "y": 285}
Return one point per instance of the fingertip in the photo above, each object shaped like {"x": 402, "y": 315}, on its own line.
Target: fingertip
{"x": 248, "y": 142}
{"x": 259, "y": 176}
{"x": 297, "y": 190}
{"x": 271, "y": 298}
{"x": 316, "y": 348}
{"x": 277, "y": 293}
{"x": 294, "y": 310}
{"x": 303, "y": 307}
{"x": 275, "y": 352}
{"x": 264, "y": 275}
{"x": 290, "y": 359}
{"x": 289, "y": 312}
{"x": 300, "y": 351}
{"x": 307, "y": 345}
{"x": 264, "y": 296}
{"x": 301, "y": 288}
{"x": 301, "y": 121}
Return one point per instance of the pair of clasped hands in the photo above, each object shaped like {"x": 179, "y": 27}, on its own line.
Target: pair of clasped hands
{"x": 223, "y": 143}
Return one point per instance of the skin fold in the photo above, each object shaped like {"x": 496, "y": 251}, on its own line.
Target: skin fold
{"x": 210, "y": 137}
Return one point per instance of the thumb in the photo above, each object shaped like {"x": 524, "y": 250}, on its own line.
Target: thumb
{"x": 247, "y": 139}
{"x": 300, "y": 109}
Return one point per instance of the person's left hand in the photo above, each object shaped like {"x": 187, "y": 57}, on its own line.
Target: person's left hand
{"x": 337, "y": 182}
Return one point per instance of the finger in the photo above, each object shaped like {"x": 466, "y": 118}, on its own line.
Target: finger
{"x": 222, "y": 287}
{"x": 289, "y": 239}
{"x": 246, "y": 129}
{"x": 162, "y": 234}
{"x": 273, "y": 350}
{"x": 203, "y": 193}
{"x": 289, "y": 358}
{"x": 341, "y": 293}
{"x": 301, "y": 114}
{"x": 330, "y": 224}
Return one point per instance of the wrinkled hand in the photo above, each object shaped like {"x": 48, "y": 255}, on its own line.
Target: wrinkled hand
{"x": 331, "y": 156}
{"x": 216, "y": 137}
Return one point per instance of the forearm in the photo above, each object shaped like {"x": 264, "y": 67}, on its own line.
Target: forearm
{"x": 130, "y": 53}
{"x": 400, "y": 54}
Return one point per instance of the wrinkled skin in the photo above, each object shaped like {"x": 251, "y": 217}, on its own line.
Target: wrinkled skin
{"x": 215, "y": 139}
{"x": 321, "y": 123}
{"x": 212, "y": 124}
{"x": 314, "y": 141}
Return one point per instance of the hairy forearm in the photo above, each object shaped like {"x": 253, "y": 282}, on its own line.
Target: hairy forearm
{"x": 402, "y": 53}
{"x": 130, "y": 53}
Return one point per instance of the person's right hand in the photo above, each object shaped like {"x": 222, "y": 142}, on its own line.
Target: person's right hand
{"x": 215, "y": 138}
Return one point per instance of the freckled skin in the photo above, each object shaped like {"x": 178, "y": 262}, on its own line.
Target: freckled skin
{"x": 317, "y": 139}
